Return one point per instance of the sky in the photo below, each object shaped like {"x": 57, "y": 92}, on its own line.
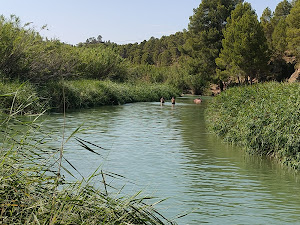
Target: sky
{"x": 118, "y": 21}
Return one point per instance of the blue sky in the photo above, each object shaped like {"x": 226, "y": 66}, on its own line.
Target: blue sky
{"x": 120, "y": 21}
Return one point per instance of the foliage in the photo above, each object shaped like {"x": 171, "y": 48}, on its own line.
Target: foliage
{"x": 275, "y": 28}
{"x": 244, "y": 44}
{"x": 101, "y": 63}
{"x": 264, "y": 118}
{"x": 34, "y": 192}
{"x": 205, "y": 36}
{"x": 278, "y": 23}
{"x": 160, "y": 52}
{"x": 91, "y": 93}
{"x": 15, "y": 40}
{"x": 293, "y": 30}
{"x": 24, "y": 55}
{"x": 265, "y": 21}
{"x": 187, "y": 60}
{"x": 279, "y": 41}
{"x": 282, "y": 11}
{"x": 51, "y": 60}
{"x": 16, "y": 98}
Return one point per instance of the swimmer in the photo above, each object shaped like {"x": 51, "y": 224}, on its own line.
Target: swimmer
{"x": 173, "y": 100}
{"x": 198, "y": 100}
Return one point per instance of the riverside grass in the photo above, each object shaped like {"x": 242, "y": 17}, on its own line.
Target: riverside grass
{"x": 263, "y": 118}
{"x": 92, "y": 93}
{"x": 18, "y": 97}
{"x": 77, "y": 94}
{"x": 32, "y": 191}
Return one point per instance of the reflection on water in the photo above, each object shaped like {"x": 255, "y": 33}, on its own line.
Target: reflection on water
{"x": 167, "y": 152}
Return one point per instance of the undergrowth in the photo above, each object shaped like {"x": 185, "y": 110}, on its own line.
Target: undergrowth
{"x": 33, "y": 190}
{"x": 75, "y": 94}
{"x": 264, "y": 118}
{"x": 92, "y": 93}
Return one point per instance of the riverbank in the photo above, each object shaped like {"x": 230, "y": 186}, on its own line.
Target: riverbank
{"x": 263, "y": 118}
{"x": 28, "y": 98}
{"x": 33, "y": 189}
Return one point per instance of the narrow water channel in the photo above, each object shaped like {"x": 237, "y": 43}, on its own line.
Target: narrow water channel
{"x": 166, "y": 152}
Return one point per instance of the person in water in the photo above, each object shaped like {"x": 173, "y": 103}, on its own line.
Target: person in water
{"x": 173, "y": 100}
{"x": 198, "y": 100}
{"x": 162, "y": 100}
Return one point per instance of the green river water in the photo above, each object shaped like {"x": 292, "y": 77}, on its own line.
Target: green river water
{"x": 166, "y": 152}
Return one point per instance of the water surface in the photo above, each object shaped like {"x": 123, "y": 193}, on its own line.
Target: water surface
{"x": 167, "y": 152}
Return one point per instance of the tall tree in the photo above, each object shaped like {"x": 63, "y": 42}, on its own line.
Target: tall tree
{"x": 206, "y": 26}
{"x": 265, "y": 21}
{"x": 205, "y": 37}
{"x": 147, "y": 58}
{"x": 270, "y": 21}
{"x": 279, "y": 41}
{"x": 166, "y": 58}
{"x": 282, "y": 11}
{"x": 275, "y": 26}
{"x": 293, "y": 30}
{"x": 244, "y": 45}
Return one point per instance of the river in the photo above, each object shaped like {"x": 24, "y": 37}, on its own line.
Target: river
{"x": 167, "y": 152}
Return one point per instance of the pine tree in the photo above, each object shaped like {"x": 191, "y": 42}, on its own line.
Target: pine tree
{"x": 279, "y": 41}
{"x": 293, "y": 29}
{"x": 205, "y": 39}
{"x": 268, "y": 28}
{"x": 282, "y": 11}
{"x": 244, "y": 45}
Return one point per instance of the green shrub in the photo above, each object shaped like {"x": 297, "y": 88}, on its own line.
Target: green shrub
{"x": 92, "y": 93}
{"x": 100, "y": 63}
{"x": 19, "y": 98}
{"x": 264, "y": 118}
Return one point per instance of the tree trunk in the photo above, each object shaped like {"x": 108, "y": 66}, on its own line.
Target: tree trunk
{"x": 221, "y": 85}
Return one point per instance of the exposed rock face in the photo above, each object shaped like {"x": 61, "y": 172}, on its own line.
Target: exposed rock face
{"x": 295, "y": 76}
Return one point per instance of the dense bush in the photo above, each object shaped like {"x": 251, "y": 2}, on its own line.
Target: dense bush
{"x": 101, "y": 63}
{"x": 91, "y": 93}
{"x": 15, "y": 41}
{"x": 25, "y": 55}
{"x": 17, "y": 97}
{"x": 264, "y": 118}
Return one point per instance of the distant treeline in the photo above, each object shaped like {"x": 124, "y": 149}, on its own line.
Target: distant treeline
{"x": 224, "y": 42}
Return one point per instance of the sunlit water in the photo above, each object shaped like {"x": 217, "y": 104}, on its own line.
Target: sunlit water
{"x": 166, "y": 152}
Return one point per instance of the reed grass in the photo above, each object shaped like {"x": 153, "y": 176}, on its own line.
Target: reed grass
{"x": 75, "y": 94}
{"x": 92, "y": 93}
{"x": 17, "y": 97}
{"x": 33, "y": 191}
{"x": 264, "y": 118}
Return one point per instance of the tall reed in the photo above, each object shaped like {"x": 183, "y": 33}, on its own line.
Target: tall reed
{"x": 91, "y": 93}
{"x": 33, "y": 192}
{"x": 264, "y": 118}
{"x": 17, "y": 97}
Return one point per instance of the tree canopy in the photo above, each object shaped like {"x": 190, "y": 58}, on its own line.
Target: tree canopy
{"x": 224, "y": 40}
{"x": 244, "y": 45}
{"x": 293, "y": 29}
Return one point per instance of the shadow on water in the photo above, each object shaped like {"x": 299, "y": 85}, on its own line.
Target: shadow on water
{"x": 233, "y": 187}
{"x": 167, "y": 152}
